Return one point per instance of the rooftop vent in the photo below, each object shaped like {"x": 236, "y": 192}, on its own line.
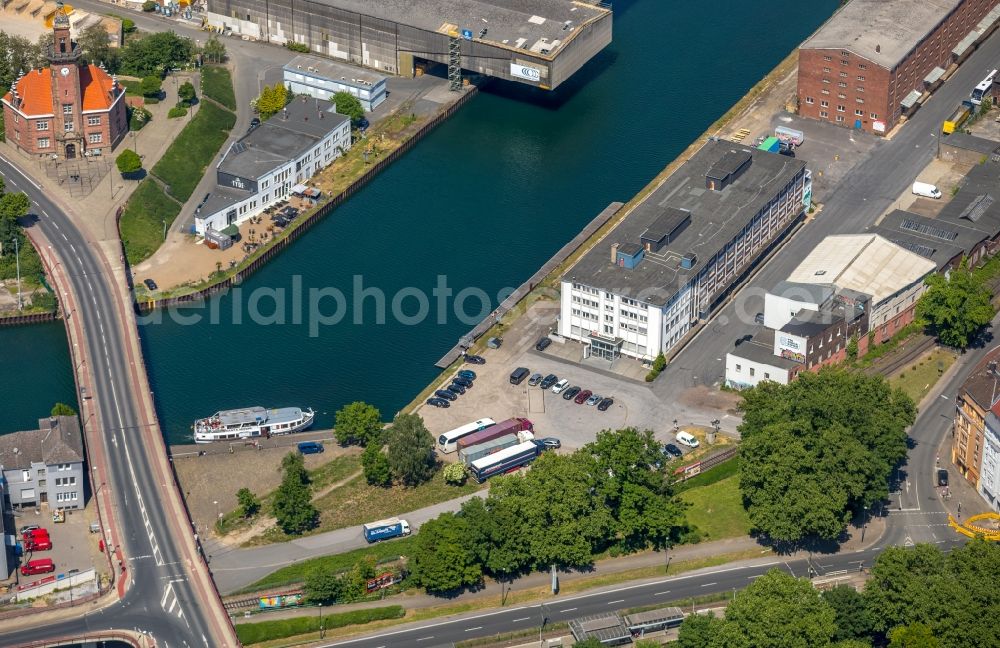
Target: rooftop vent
{"x": 689, "y": 260}
{"x": 666, "y": 228}
{"x": 728, "y": 169}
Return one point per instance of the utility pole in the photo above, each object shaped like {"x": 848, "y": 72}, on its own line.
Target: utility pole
{"x": 17, "y": 261}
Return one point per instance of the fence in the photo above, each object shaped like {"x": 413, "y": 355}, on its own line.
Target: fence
{"x": 52, "y": 583}
{"x": 529, "y": 285}
{"x": 687, "y": 472}
{"x": 283, "y": 242}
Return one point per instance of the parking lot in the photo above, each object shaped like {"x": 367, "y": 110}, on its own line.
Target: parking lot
{"x": 73, "y": 545}
{"x": 493, "y": 396}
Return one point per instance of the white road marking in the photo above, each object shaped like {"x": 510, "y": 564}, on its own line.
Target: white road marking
{"x": 707, "y": 584}
{"x": 567, "y": 610}
{"x": 661, "y": 593}
{"x": 521, "y": 619}
{"x": 476, "y": 628}
{"x": 616, "y": 601}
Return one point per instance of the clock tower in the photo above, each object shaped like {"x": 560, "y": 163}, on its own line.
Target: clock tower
{"x": 64, "y": 60}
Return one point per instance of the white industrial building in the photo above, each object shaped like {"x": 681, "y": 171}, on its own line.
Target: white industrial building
{"x": 323, "y": 78}
{"x": 639, "y": 290}
{"x": 261, "y": 168}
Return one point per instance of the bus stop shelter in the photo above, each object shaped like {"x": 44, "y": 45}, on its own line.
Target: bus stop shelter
{"x": 654, "y": 620}
{"x": 606, "y": 628}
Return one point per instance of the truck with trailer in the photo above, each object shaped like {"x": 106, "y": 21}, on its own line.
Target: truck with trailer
{"x": 470, "y": 454}
{"x": 385, "y": 529}
{"x": 505, "y": 461}
{"x": 957, "y": 118}
{"x": 510, "y": 426}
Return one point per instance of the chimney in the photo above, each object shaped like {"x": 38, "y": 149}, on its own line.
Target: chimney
{"x": 614, "y": 253}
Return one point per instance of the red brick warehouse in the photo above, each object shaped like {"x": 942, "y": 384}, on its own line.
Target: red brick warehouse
{"x": 860, "y": 67}
{"x": 67, "y": 109}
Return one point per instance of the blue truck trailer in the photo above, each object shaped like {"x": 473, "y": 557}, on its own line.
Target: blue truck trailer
{"x": 385, "y": 529}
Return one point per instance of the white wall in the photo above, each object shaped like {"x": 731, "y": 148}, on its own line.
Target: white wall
{"x": 584, "y": 309}
{"x": 742, "y": 373}
{"x": 779, "y": 311}
{"x": 989, "y": 473}
{"x": 890, "y": 307}
{"x": 792, "y": 343}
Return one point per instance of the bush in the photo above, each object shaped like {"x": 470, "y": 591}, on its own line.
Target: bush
{"x": 176, "y": 111}
{"x": 128, "y": 25}
{"x": 148, "y": 6}
{"x": 128, "y": 161}
{"x": 658, "y": 366}
{"x": 251, "y": 633}
{"x": 302, "y": 48}
{"x": 138, "y": 118}
{"x": 455, "y": 474}
{"x": 62, "y": 409}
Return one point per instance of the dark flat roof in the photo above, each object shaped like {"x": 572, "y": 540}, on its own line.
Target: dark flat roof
{"x": 222, "y": 197}
{"x": 971, "y": 143}
{"x": 808, "y": 323}
{"x": 716, "y": 218}
{"x": 761, "y": 349}
{"x": 283, "y": 137}
{"x": 665, "y": 224}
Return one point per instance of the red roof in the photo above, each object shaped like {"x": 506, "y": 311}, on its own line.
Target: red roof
{"x": 35, "y": 90}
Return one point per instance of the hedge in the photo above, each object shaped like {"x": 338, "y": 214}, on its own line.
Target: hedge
{"x": 251, "y": 633}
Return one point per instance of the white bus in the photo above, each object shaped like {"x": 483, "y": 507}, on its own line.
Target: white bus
{"x": 447, "y": 442}
{"x": 983, "y": 89}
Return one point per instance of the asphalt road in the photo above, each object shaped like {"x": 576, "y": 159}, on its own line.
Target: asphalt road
{"x": 160, "y": 599}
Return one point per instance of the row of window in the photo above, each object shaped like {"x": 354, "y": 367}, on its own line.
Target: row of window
{"x": 753, "y": 371}
{"x": 65, "y": 481}
{"x": 45, "y": 142}
{"x": 67, "y": 497}
{"x": 843, "y": 61}
{"x": 843, "y": 75}
{"x": 92, "y": 120}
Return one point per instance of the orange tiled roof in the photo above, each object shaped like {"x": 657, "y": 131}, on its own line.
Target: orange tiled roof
{"x": 35, "y": 89}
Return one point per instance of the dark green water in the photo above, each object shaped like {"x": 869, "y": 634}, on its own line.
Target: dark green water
{"x": 35, "y": 373}
{"x": 484, "y": 201}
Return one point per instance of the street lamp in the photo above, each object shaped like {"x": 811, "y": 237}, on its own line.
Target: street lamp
{"x": 864, "y": 524}
{"x": 217, "y": 514}
{"x": 666, "y": 568}
{"x": 321, "y": 621}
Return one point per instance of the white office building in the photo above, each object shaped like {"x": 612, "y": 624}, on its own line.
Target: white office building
{"x": 323, "y": 78}
{"x": 989, "y": 473}
{"x": 261, "y": 168}
{"x": 666, "y": 265}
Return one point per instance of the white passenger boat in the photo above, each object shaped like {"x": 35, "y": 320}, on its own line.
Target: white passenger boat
{"x": 250, "y": 423}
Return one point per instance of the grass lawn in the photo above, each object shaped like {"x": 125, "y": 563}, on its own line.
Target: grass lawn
{"x": 296, "y": 573}
{"x": 131, "y": 87}
{"x": 717, "y": 509}
{"x": 142, "y": 220}
{"x": 917, "y": 380}
{"x": 251, "y": 633}
{"x": 356, "y": 502}
{"x": 217, "y": 84}
{"x": 185, "y": 162}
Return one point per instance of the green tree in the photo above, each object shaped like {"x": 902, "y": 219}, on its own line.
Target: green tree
{"x": 819, "y": 449}
{"x": 249, "y": 503}
{"x": 12, "y": 207}
{"x": 292, "y": 504}
{"x": 348, "y": 105}
{"x": 358, "y": 423}
{"x": 151, "y": 86}
{"x": 96, "y": 47}
{"x": 442, "y": 560}
{"x": 411, "y": 450}
{"x": 957, "y": 306}
{"x": 376, "y": 466}
{"x": 852, "y": 347}
{"x": 778, "y": 611}
{"x": 647, "y": 643}
{"x": 916, "y": 635}
{"x": 186, "y": 92}
{"x": 128, "y": 25}
{"x": 853, "y": 619}
{"x": 154, "y": 53}
{"x": 128, "y": 161}
{"x": 148, "y": 6}
{"x": 632, "y": 488}
{"x": 323, "y": 586}
{"x": 699, "y": 631}
{"x": 272, "y": 100}
{"x": 62, "y": 409}
{"x": 214, "y": 50}
{"x": 455, "y": 473}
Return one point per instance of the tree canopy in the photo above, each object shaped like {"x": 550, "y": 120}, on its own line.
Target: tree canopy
{"x": 443, "y": 560}
{"x": 62, "y": 409}
{"x": 375, "y": 465}
{"x": 272, "y": 100}
{"x": 249, "y": 503}
{"x": 292, "y": 504}
{"x": 128, "y": 161}
{"x": 151, "y": 86}
{"x": 155, "y": 53}
{"x": 93, "y": 41}
{"x": 186, "y": 92}
{"x": 411, "y": 450}
{"x": 358, "y": 423}
{"x": 214, "y": 50}
{"x": 819, "y": 449}
{"x": 348, "y": 105}
{"x": 853, "y": 619}
{"x": 957, "y": 306}
{"x": 13, "y": 205}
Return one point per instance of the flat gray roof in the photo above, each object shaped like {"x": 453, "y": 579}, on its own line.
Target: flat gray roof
{"x": 333, "y": 71}
{"x": 882, "y": 31}
{"x": 283, "y": 137}
{"x": 506, "y": 21}
{"x": 971, "y": 143}
{"x": 221, "y": 198}
{"x": 761, "y": 349}
{"x": 816, "y": 293}
{"x": 716, "y": 218}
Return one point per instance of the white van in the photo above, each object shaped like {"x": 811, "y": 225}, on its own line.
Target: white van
{"x": 926, "y": 189}
{"x": 687, "y": 439}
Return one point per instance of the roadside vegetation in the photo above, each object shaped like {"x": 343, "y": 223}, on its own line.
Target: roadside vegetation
{"x": 16, "y": 248}
{"x": 917, "y": 597}
{"x": 148, "y": 211}
{"x": 916, "y": 380}
{"x": 252, "y": 633}
{"x": 217, "y": 85}
{"x": 183, "y": 164}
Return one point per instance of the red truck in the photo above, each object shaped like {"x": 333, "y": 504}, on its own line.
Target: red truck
{"x": 510, "y": 426}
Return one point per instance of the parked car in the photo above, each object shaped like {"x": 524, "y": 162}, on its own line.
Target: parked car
{"x": 464, "y": 382}
{"x": 455, "y": 387}
{"x": 759, "y": 318}
{"x": 518, "y": 375}
{"x": 672, "y": 450}
{"x": 560, "y": 386}
{"x": 37, "y": 532}
{"x": 310, "y": 447}
{"x": 548, "y": 381}
{"x": 543, "y": 343}
{"x": 254, "y": 123}
{"x": 40, "y": 566}
{"x": 571, "y": 392}
{"x": 550, "y": 443}
{"x": 942, "y": 476}
{"x": 685, "y": 438}
{"x": 595, "y": 399}
{"x": 741, "y": 340}
{"x": 474, "y": 359}
{"x": 38, "y": 544}
{"x": 468, "y": 374}
{"x": 149, "y": 284}
{"x": 494, "y": 342}
{"x": 445, "y": 394}
{"x": 535, "y": 379}
{"x": 583, "y": 396}
{"x": 605, "y": 404}
{"x": 29, "y": 527}
{"x": 438, "y": 402}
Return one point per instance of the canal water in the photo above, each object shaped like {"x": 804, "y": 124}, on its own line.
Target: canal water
{"x": 473, "y": 209}
{"x": 35, "y": 373}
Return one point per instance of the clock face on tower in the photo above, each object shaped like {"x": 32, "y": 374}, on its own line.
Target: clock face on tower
{"x": 64, "y": 71}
